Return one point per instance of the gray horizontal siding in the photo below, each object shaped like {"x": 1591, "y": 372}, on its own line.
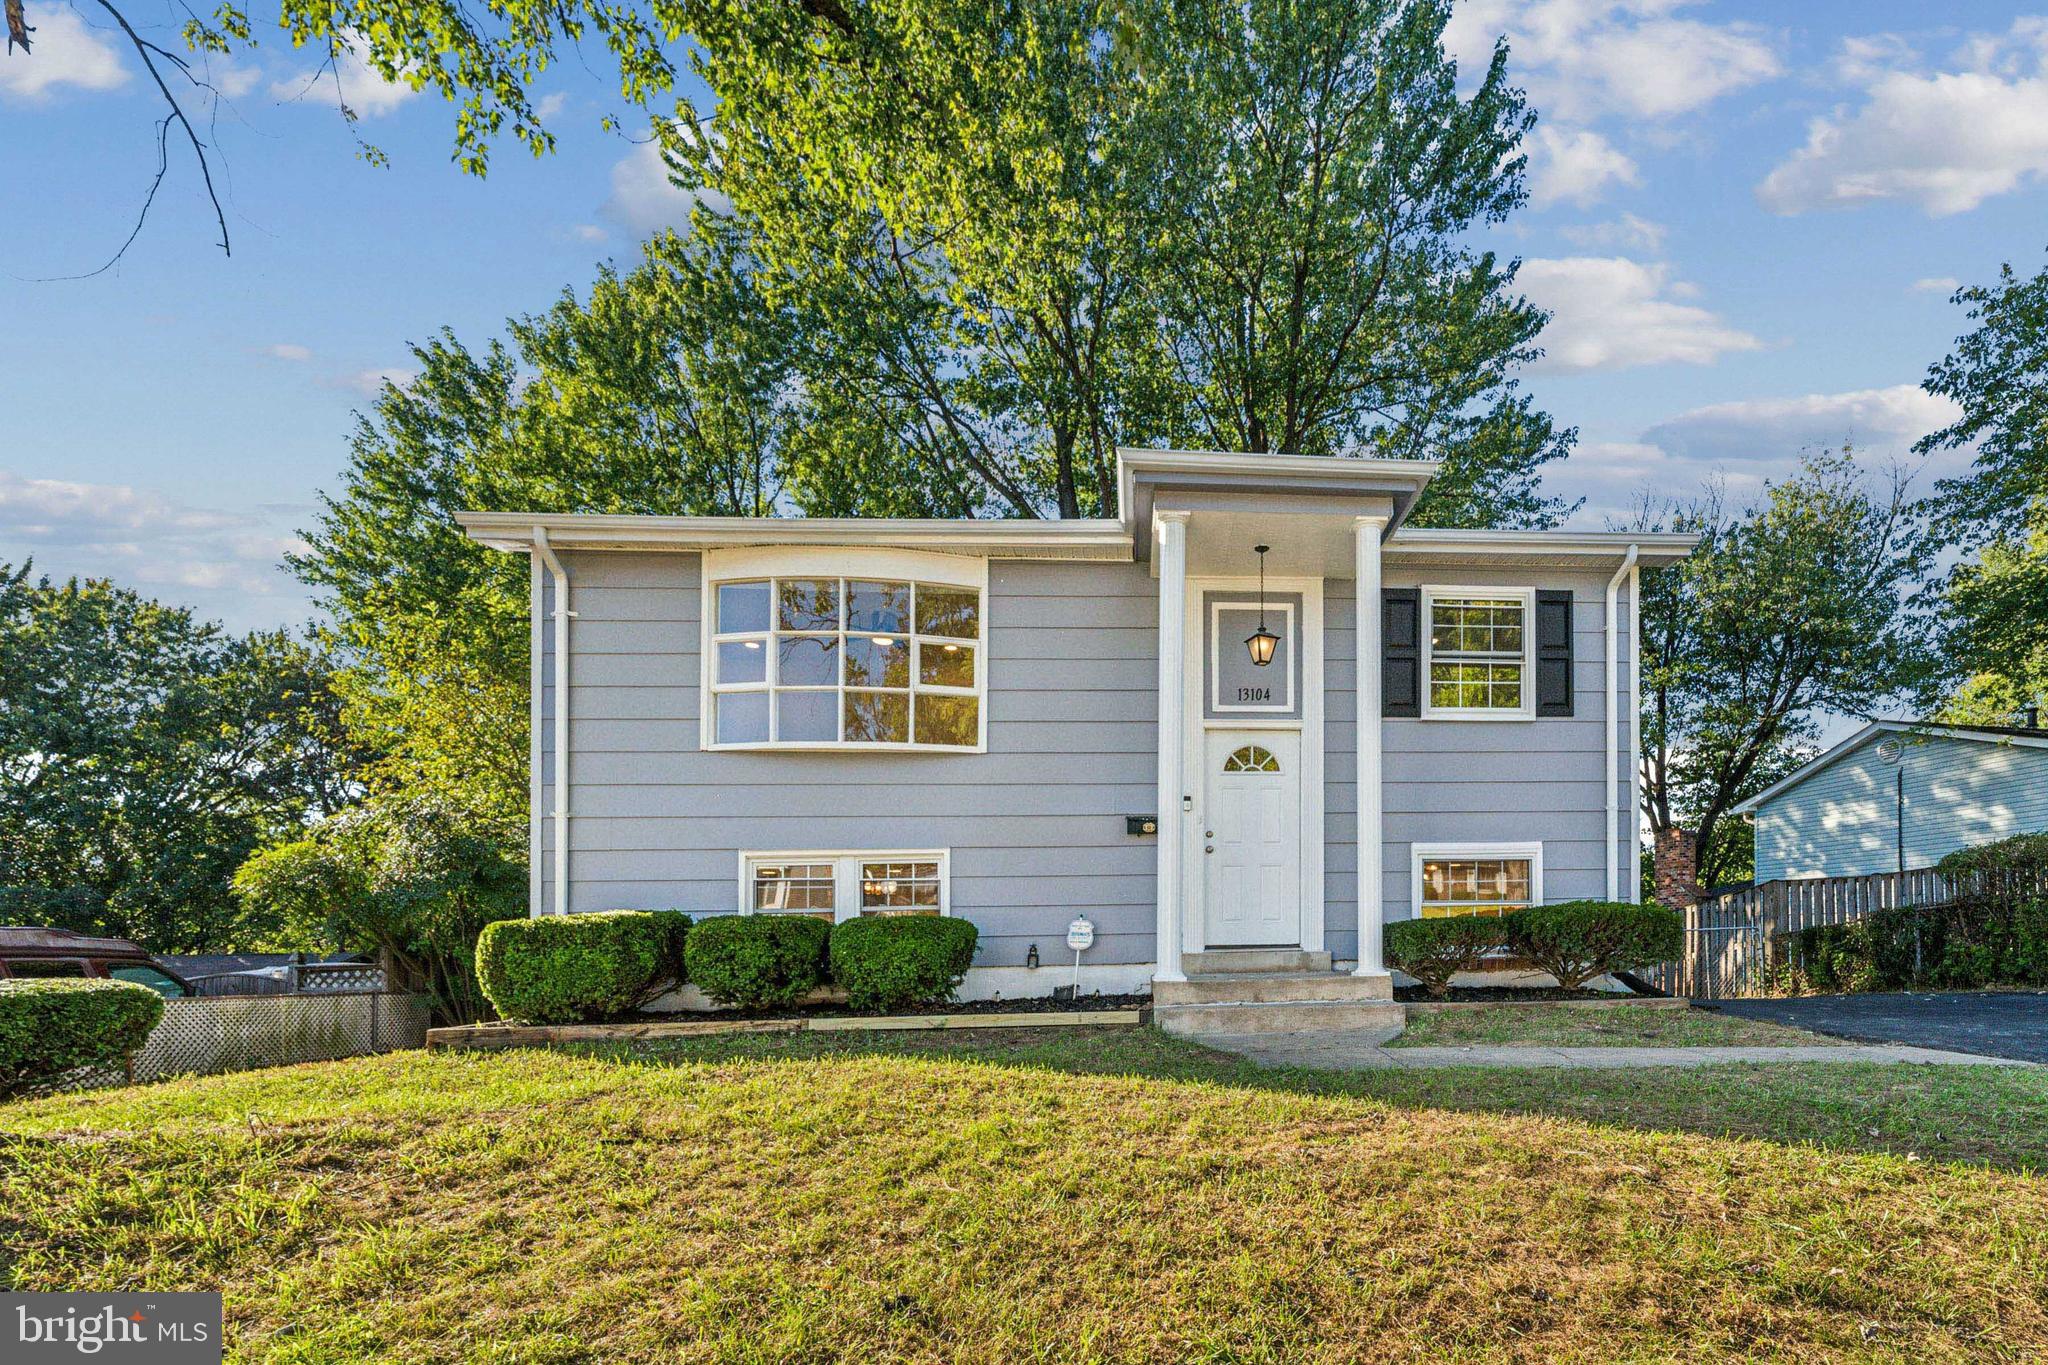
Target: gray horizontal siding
{"x": 1843, "y": 820}
{"x": 1473, "y": 781}
{"x": 1035, "y": 826}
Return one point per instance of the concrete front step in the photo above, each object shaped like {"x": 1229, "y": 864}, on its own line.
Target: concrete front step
{"x": 1217, "y": 960}
{"x": 1269, "y": 988}
{"x": 1289, "y": 1016}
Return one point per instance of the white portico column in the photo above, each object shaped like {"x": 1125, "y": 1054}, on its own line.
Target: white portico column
{"x": 1366, "y": 533}
{"x": 1170, "y": 553}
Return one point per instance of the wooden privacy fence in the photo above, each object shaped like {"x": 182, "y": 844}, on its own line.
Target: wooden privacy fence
{"x": 1732, "y": 942}
{"x": 206, "y": 1034}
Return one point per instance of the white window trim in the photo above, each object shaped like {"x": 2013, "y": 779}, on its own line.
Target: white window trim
{"x": 1288, "y": 637}
{"x": 1527, "y": 597}
{"x": 910, "y": 566}
{"x": 1419, "y": 853}
{"x": 845, "y": 875}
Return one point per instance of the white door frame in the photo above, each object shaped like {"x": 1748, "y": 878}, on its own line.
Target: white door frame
{"x": 1195, "y": 892}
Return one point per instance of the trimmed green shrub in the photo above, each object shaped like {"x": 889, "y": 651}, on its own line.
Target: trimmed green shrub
{"x": 1576, "y": 941}
{"x": 2017, "y": 853}
{"x": 1981, "y": 941}
{"x": 758, "y": 960}
{"x": 559, "y": 969}
{"x": 888, "y": 962}
{"x": 1434, "y": 950}
{"x": 50, "y": 1028}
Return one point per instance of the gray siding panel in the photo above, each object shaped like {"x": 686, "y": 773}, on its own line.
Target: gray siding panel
{"x": 1035, "y": 826}
{"x": 1843, "y": 820}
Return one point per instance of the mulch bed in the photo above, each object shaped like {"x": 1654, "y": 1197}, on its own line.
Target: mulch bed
{"x": 1034, "y": 1004}
{"x": 1504, "y": 995}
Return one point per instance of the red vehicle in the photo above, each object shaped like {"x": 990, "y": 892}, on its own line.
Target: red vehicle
{"x": 28, "y": 951}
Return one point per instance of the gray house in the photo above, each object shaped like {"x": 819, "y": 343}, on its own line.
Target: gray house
{"x": 1898, "y": 795}
{"x": 1029, "y": 722}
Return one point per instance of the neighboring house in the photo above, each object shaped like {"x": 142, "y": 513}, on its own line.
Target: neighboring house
{"x": 1022, "y": 722}
{"x": 1899, "y": 794}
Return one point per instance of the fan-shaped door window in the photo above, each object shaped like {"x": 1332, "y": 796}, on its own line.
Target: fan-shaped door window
{"x": 1252, "y": 758}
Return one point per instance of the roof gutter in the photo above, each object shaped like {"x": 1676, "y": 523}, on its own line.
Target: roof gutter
{"x": 562, "y": 615}
{"x": 1627, "y": 570}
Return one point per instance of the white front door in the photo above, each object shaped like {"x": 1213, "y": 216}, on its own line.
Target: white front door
{"x": 1251, "y": 841}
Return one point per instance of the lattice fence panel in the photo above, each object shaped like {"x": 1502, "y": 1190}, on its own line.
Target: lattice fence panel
{"x": 207, "y": 1034}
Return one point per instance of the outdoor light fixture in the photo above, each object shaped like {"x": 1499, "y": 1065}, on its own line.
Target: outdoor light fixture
{"x": 1262, "y": 642}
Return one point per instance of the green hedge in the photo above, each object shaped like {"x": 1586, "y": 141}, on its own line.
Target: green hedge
{"x": 1576, "y": 941}
{"x": 889, "y": 962}
{"x": 1434, "y": 950}
{"x": 759, "y": 960}
{"x": 50, "y": 1028}
{"x": 559, "y": 969}
{"x": 1980, "y": 942}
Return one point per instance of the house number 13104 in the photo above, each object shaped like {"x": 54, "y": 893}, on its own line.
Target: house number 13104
{"x": 1255, "y": 694}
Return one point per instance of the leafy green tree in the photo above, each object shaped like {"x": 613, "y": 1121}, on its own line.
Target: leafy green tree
{"x": 401, "y": 877}
{"x": 143, "y": 754}
{"x": 1800, "y": 605}
{"x": 663, "y": 391}
{"x": 1996, "y": 600}
{"x": 1025, "y": 236}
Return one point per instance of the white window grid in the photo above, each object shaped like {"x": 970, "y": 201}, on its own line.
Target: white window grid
{"x": 1419, "y": 854}
{"x": 849, "y": 869}
{"x": 915, "y": 642}
{"x": 1523, "y": 662}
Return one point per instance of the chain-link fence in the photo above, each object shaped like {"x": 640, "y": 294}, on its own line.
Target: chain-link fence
{"x": 201, "y": 1035}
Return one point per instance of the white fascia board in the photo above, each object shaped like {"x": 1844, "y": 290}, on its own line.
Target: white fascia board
{"x": 1090, "y": 538}
{"x": 1660, "y": 548}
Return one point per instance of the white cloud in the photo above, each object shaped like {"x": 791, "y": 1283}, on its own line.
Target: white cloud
{"x": 1611, "y": 313}
{"x": 1583, "y": 58}
{"x": 370, "y": 383}
{"x": 1629, "y": 231}
{"x": 589, "y": 232}
{"x": 1937, "y": 284}
{"x": 547, "y": 106}
{"x": 1743, "y": 445}
{"x": 1576, "y": 166}
{"x": 231, "y": 80}
{"x": 363, "y": 88}
{"x": 286, "y": 350}
{"x": 1943, "y": 140}
{"x": 66, "y": 52}
{"x": 643, "y": 197}
{"x": 1884, "y": 421}
{"x": 222, "y": 563}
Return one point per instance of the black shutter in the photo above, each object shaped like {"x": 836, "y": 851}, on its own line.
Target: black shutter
{"x": 1553, "y": 652}
{"x": 1401, "y": 652}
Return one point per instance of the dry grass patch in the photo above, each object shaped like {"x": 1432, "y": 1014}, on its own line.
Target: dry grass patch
{"x": 1538, "y": 1025}
{"x": 900, "y": 1202}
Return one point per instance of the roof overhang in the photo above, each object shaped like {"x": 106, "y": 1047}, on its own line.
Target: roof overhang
{"x": 1883, "y": 727}
{"x": 1341, "y": 484}
{"x": 1018, "y": 538}
{"x": 1417, "y": 546}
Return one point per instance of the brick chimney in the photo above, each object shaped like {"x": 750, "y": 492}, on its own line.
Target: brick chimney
{"x": 1675, "y": 867}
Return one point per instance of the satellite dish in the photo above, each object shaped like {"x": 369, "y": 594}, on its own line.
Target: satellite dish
{"x": 1890, "y": 750}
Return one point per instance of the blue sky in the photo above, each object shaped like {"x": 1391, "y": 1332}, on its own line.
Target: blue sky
{"x": 1746, "y": 217}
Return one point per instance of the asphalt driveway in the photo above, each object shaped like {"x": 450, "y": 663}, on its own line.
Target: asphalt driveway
{"x": 1996, "y": 1024}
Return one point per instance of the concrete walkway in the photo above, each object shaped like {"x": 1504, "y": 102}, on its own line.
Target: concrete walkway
{"x": 1359, "y": 1050}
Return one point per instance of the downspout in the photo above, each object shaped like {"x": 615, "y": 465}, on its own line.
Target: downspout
{"x": 1628, "y": 564}
{"x": 1635, "y": 729}
{"x": 562, "y": 616}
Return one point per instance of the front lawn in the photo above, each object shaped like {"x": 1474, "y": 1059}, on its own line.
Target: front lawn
{"x": 1604, "y": 1026}
{"x": 1089, "y": 1195}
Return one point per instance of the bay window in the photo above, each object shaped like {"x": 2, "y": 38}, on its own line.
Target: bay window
{"x": 856, "y": 649}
